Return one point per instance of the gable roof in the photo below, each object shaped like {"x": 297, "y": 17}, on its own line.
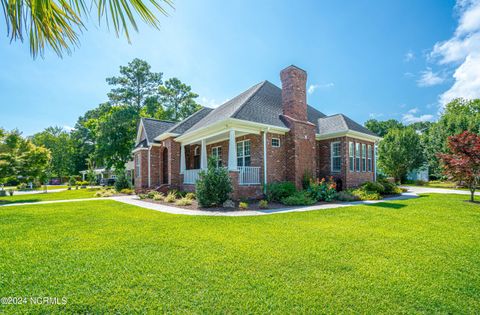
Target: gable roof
{"x": 340, "y": 123}
{"x": 187, "y": 123}
{"x": 155, "y": 127}
{"x": 262, "y": 103}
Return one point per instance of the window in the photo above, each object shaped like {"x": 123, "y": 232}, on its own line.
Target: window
{"x": 370, "y": 155}
{"x": 217, "y": 153}
{"x": 357, "y": 157}
{"x": 275, "y": 142}
{"x": 364, "y": 157}
{"x": 196, "y": 158}
{"x": 243, "y": 153}
{"x": 351, "y": 154}
{"x": 137, "y": 165}
{"x": 336, "y": 157}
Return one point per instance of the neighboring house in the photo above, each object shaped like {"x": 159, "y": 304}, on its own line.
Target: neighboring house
{"x": 419, "y": 174}
{"x": 106, "y": 174}
{"x": 265, "y": 134}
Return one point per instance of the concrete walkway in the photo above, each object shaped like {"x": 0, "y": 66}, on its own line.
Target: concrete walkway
{"x": 34, "y": 192}
{"x": 429, "y": 190}
{"x": 133, "y": 200}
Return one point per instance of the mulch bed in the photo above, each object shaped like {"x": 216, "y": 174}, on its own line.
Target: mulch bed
{"x": 252, "y": 205}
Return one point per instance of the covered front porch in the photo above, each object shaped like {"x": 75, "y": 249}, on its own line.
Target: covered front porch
{"x": 241, "y": 152}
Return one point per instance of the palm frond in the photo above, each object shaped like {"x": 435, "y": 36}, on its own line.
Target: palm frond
{"x": 57, "y": 24}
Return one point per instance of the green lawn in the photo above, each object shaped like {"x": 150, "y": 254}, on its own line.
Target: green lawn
{"x": 439, "y": 184}
{"x": 61, "y": 195}
{"x": 413, "y": 256}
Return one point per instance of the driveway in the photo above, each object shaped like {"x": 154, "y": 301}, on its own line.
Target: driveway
{"x": 429, "y": 190}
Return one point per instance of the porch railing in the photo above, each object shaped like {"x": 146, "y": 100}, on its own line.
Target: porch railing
{"x": 249, "y": 175}
{"x": 190, "y": 176}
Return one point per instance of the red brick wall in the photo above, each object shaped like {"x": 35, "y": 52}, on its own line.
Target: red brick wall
{"x": 276, "y": 159}
{"x": 300, "y": 150}
{"x": 349, "y": 179}
{"x": 294, "y": 88}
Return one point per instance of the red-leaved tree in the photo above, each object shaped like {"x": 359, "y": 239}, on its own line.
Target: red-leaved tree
{"x": 463, "y": 163}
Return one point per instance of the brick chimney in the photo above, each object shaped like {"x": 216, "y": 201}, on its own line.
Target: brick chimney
{"x": 294, "y": 93}
{"x": 300, "y": 140}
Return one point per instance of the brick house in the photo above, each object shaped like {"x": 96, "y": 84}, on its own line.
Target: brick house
{"x": 265, "y": 134}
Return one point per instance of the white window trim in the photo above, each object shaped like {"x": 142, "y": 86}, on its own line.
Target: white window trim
{"x": 219, "y": 156}
{"x": 369, "y": 158}
{"x": 276, "y": 146}
{"x": 243, "y": 151}
{"x": 196, "y": 151}
{"x": 364, "y": 157}
{"x": 339, "y": 156}
{"x": 138, "y": 166}
{"x": 351, "y": 156}
{"x": 357, "y": 156}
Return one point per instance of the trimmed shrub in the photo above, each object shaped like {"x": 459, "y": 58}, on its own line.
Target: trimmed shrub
{"x": 122, "y": 182}
{"x": 243, "y": 205}
{"x": 373, "y": 187}
{"x": 152, "y": 193}
{"x": 346, "y": 196}
{"x": 183, "y": 202}
{"x": 142, "y": 196}
{"x": 105, "y": 193}
{"x": 263, "y": 204}
{"x": 127, "y": 191}
{"x": 213, "y": 185}
{"x": 390, "y": 188}
{"x": 366, "y": 195}
{"x": 279, "y": 191}
{"x": 300, "y": 198}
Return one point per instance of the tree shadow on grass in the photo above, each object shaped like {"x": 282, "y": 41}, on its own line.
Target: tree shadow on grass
{"x": 29, "y": 200}
{"x": 387, "y": 205}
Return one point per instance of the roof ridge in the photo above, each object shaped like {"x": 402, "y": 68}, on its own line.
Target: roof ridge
{"x": 176, "y": 125}
{"x": 159, "y": 120}
{"x": 260, "y": 85}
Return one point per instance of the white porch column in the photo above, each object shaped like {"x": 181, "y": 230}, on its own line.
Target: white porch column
{"x": 182, "y": 159}
{"x": 265, "y": 161}
{"x": 232, "y": 152}
{"x": 203, "y": 155}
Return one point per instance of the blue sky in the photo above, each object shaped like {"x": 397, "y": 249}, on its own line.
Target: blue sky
{"x": 366, "y": 59}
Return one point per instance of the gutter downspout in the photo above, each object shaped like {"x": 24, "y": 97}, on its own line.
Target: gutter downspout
{"x": 149, "y": 179}
{"x": 265, "y": 161}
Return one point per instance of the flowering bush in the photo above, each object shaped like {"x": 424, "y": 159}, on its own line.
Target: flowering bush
{"x": 322, "y": 189}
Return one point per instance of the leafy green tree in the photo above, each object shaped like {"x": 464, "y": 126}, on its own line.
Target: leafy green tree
{"x": 59, "y": 142}
{"x": 58, "y": 23}
{"x": 458, "y": 116}
{"x": 399, "y": 152}
{"x": 116, "y": 136}
{"x": 84, "y": 136}
{"x": 178, "y": 99}
{"x": 381, "y": 128}
{"x": 20, "y": 159}
{"x": 135, "y": 85}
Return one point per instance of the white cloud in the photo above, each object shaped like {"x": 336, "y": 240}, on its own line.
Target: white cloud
{"x": 313, "y": 87}
{"x": 411, "y": 118}
{"x": 430, "y": 78}
{"x": 462, "y": 51}
{"x": 413, "y": 110}
{"x": 375, "y": 115}
{"x": 409, "y": 56}
{"x": 68, "y": 128}
{"x": 212, "y": 103}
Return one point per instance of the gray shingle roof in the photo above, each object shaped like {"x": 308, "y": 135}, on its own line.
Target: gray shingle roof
{"x": 262, "y": 103}
{"x": 340, "y": 123}
{"x": 154, "y": 127}
{"x": 187, "y": 123}
{"x": 142, "y": 144}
